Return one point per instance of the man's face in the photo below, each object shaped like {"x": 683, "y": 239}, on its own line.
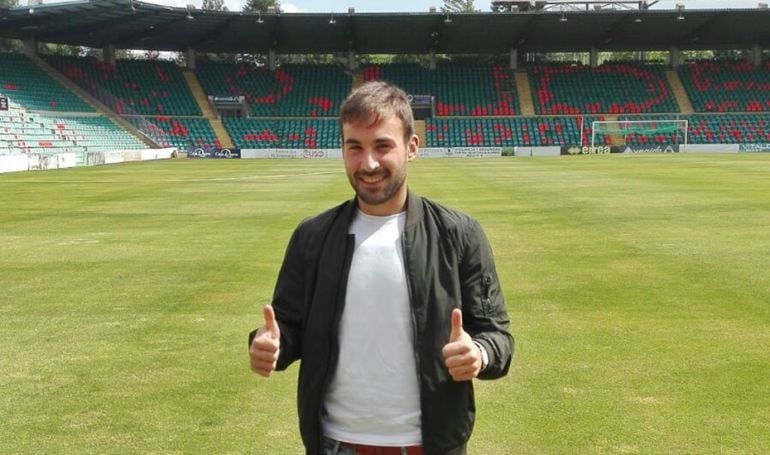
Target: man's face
{"x": 375, "y": 161}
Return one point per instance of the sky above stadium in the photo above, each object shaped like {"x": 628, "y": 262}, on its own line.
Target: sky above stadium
{"x": 407, "y": 6}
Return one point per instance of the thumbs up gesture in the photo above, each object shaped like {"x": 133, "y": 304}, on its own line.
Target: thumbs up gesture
{"x": 266, "y": 346}
{"x": 461, "y": 355}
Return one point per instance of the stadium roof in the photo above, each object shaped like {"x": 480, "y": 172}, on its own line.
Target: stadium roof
{"x": 129, "y": 24}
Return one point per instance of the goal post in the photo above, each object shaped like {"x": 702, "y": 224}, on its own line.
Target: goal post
{"x": 662, "y": 132}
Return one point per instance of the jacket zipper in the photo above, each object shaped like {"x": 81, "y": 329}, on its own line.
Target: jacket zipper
{"x": 334, "y": 340}
{"x": 415, "y": 333}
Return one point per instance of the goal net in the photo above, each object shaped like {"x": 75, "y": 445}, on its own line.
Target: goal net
{"x": 641, "y": 133}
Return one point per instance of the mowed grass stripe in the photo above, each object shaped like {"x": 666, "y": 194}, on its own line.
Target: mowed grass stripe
{"x": 637, "y": 288}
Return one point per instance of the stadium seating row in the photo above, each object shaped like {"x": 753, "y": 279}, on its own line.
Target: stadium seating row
{"x": 286, "y": 133}
{"x": 611, "y": 88}
{"x": 29, "y": 86}
{"x": 295, "y": 106}
{"x": 504, "y": 132}
{"x": 710, "y": 129}
{"x": 24, "y": 132}
{"x": 179, "y": 132}
{"x": 727, "y": 86}
{"x": 290, "y": 91}
{"x": 142, "y": 87}
{"x": 459, "y": 89}
{"x": 570, "y": 130}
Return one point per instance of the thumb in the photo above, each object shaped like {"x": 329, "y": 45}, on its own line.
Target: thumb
{"x": 457, "y": 325}
{"x": 270, "y": 324}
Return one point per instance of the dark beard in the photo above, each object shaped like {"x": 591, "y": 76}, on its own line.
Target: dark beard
{"x": 380, "y": 197}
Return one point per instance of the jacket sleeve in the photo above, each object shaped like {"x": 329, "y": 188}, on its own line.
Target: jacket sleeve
{"x": 485, "y": 317}
{"x": 288, "y": 301}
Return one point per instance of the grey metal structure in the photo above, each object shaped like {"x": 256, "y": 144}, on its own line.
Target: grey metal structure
{"x": 131, "y": 24}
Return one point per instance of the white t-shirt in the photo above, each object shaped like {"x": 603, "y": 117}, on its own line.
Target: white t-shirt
{"x": 374, "y": 397}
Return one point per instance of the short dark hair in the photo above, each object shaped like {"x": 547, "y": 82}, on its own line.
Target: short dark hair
{"x": 375, "y": 101}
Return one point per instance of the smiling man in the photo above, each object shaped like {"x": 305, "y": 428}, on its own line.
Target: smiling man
{"x": 391, "y": 301}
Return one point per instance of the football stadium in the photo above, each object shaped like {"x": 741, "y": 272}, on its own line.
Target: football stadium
{"x": 154, "y": 161}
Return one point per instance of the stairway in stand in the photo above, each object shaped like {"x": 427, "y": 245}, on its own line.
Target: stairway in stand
{"x": 525, "y": 94}
{"x": 677, "y": 88}
{"x": 200, "y": 97}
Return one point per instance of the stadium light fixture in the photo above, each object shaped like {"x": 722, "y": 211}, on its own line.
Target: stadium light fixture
{"x": 332, "y": 20}
{"x": 563, "y": 18}
{"x": 190, "y": 8}
{"x": 259, "y": 18}
{"x": 447, "y": 20}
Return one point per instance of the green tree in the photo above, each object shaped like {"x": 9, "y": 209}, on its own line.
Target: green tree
{"x": 458, "y": 6}
{"x": 261, "y": 5}
{"x": 60, "y": 49}
{"x": 214, "y": 5}
{"x": 8, "y": 44}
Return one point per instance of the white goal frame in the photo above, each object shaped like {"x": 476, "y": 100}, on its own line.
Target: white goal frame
{"x": 624, "y": 127}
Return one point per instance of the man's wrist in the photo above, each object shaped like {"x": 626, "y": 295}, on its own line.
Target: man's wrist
{"x": 484, "y": 355}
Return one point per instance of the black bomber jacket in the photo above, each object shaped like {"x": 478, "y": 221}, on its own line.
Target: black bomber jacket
{"x": 449, "y": 264}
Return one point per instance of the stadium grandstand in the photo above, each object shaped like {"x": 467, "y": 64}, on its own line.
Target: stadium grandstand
{"x": 480, "y": 80}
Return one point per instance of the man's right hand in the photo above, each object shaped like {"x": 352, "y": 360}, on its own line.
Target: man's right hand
{"x": 265, "y": 348}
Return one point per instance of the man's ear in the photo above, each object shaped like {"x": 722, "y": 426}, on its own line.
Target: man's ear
{"x": 412, "y": 146}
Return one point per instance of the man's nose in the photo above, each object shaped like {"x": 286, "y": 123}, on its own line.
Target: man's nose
{"x": 369, "y": 162}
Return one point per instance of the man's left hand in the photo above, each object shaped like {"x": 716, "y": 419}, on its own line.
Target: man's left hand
{"x": 461, "y": 355}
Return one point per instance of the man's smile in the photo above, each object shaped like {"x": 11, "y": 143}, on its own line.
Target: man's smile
{"x": 372, "y": 179}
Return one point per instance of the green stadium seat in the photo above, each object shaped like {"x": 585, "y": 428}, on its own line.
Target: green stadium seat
{"x": 29, "y": 86}
{"x": 179, "y": 132}
{"x": 458, "y": 89}
{"x": 309, "y": 133}
{"x": 289, "y": 91}
{"x": 610, "y": 88}
{"x": 738, "y": 128}
{"x": 503, "y": 132}
{"x": 131, "y": 87}
{"x": 50, "y": 133}
{"x": 727, "y": 85}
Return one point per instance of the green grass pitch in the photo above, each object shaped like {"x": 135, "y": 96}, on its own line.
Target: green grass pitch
{"x": 638, "y": 288}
